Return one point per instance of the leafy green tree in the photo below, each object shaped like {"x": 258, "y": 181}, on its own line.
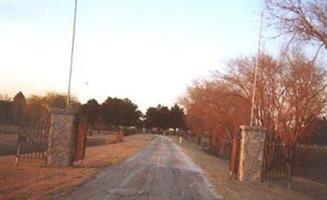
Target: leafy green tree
{"x": 164, "y": 121}
{"x": 91, "y": 110}
{"x": 177, "y": 117}
{"x": 164, "y": 118}
{"x": 18, "y": 108}
{"x": 6, "y": 112}
{"x": 152, "y": 117}
{"x": 123, "y": 112}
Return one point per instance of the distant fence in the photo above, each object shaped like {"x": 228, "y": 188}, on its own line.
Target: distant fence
{"x": 220, "y": 148}
{"x": 310, "y": 162}
{"x": 280, "y": 161}
{"x": 191, "y": 137}
{"x": 107, "y": 130}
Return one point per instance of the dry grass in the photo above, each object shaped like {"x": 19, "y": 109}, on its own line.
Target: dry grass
{"x": 31, "y": 179}
{"x": 115, "y": 138}
{"x": 217, "y": 171}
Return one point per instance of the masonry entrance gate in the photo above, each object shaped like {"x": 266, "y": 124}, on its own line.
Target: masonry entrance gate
{"x": 33, "y": 141}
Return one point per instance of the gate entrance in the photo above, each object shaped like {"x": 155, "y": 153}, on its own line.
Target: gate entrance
{"x": 32, "y": 142}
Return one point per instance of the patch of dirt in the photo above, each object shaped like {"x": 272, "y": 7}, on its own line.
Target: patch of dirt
{"x": 102, "y": 139}
{"x": 31, "y": 179}
{"x": 160, "y": 171}
{"x": 217, "y": 171}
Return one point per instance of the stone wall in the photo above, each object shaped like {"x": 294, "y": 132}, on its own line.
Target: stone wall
{"x": 61, "y": 138}
{"x": 251, "y": 153}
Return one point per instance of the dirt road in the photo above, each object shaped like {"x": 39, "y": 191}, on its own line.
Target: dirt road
{"x": 160, "y": 171}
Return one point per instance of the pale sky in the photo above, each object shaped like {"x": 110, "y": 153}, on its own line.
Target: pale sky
{"x": 146, "y": 50}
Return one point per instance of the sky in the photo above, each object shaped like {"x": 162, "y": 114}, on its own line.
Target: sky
{"x": 146, "y": 50}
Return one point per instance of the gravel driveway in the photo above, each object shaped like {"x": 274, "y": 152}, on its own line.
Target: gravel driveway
{"x": 160, "y": 171}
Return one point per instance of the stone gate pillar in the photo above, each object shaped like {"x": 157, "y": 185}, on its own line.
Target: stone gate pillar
{"x": 251, "y": 153}
{"x": 61, "y": 145}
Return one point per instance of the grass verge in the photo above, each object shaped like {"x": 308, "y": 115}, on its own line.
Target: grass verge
{"x": 217, "y": 171}
{"x": 31, "y": 179}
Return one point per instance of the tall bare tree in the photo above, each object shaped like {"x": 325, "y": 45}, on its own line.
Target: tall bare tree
{"x": 215, "y": 109}
{"x": 290, "y": 95}
{"x": 290, "y": 92}
{"x": 301, "y": 20}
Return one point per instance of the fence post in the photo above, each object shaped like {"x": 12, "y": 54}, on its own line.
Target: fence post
{"x": 62, "y": 135}
{"x": 17, "y": 153}
{"x": 290, "y": 165}
{"x": 251, "y": 153}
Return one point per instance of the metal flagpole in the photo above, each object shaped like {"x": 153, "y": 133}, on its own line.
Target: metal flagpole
{"x": 255, "y": 72}
{"x": 1, "y": 16}
{"x": 71, "y": 57}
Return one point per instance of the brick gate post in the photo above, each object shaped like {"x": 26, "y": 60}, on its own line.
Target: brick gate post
{"x": 251, "y": 153}
{"x": 61, "y": 146}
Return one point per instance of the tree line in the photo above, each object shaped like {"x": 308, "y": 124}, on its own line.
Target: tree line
{"x": 112, "y": 112}
{"x": 123, "y": 112}
{"x": 34, "y": 109}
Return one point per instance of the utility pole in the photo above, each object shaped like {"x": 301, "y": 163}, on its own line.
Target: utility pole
{"x": 71, "y": 58}
{"x": 256, "y": 72}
